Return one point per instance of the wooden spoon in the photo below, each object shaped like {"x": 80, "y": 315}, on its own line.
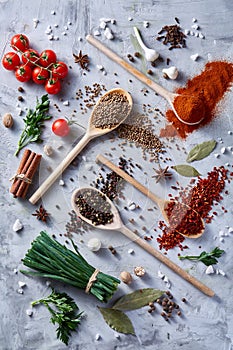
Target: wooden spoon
{"x": 169, "y": 96}
{"x": 162, "y": 204}
{"x": 90, "y": 134}
{"x": 117, "y": 225}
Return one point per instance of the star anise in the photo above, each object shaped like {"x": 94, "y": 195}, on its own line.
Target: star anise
{"x": 162, "y": 174}
{"x": 41, "y": 214}
{"x": 82, "y": 60}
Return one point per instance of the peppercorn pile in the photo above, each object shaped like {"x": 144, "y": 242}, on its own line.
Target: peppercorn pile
{"x": 200, "y": 198}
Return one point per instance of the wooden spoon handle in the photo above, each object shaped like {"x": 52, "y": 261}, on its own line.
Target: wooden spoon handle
{"x": 160, "y": 202}
{"x": 140, "y": 76}
{"x": 177, "y": 269}
{"x": 59, "y": 169}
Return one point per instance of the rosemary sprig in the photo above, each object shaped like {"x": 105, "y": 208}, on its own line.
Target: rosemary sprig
{"x": 33, "y": 123}
{"x": 206, "y": 258}
{"x": 64, "y": 313}
{"x": 53, "y": 260}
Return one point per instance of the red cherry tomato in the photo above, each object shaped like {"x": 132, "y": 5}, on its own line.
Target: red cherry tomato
{"x": 29, "y": 56}
{"x": 47, "y": 57}
{"x": 60, "y": 127}
{"x": 59, "y": 70}
{"x": 20, "y": 42}
{"x": 53, "y": 86}
{"x": 10, "y": 61}
{"x": 23, "y": 73}
{"x": 40, "y": 75}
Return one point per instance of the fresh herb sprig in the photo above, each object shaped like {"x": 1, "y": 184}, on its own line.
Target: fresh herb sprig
{"x": 34, "y": 123}
{"x": 206, "y": 258}
{"x": 63, "y": 312}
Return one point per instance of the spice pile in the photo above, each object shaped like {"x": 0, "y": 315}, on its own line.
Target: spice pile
{"x": 208, "y": 88}
{"x": 138, "y": 128}
{"x": 173, "y": 36}
{"x": 201, "y": 198}
{"x": 89, "y": 96}
{"x": 111, "y": 110}
{"x": 92, "y": 205}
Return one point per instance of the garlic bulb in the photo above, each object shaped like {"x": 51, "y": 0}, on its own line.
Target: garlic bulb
{"x": 171, "y": 72}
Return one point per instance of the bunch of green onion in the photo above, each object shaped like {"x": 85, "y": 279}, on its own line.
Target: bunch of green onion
{"x": 53, "y": 260}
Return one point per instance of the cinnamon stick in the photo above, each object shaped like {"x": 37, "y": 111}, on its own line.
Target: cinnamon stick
{"x": 21, "y": 170}
{"x": 23, "y": 188}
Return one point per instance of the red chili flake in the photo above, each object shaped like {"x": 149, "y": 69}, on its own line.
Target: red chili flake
{"x": 200, "y": 198}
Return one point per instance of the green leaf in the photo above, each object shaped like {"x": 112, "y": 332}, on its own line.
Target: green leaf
{"x": 201, "y": 151}
{"x": 186, "y": 170}
{"x": 137, "y": 299}
{"x": 117, "y": 320}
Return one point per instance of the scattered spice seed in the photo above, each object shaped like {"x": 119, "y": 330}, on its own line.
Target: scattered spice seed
{"x": 112, "y": 250}
{"x": 75, "y": 225}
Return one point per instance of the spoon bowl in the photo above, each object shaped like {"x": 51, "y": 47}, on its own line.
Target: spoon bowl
{"x": 92, "y": 132}
{"x": 116, "y": 224}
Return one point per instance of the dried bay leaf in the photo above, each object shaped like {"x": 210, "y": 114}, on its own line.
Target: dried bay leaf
{"x": 186, "y": 170}
{"x": 137, "y": 299}
{"x": 201, "y": 151}
{"x": 117, "y": 320}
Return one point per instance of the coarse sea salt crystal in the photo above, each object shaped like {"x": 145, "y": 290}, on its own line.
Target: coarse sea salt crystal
{"x": 194, "y": 57}
{"x": 117, "y": 336}
{"x": 29, "y": 312}
{"x": 223, "y": 150}
{"x": 102, "y": 25}
{"x": 53, "y": 12}
{"x": 61, "y": 183}
{"x": 221, "y": 239}
{"x": 50, "y": 37}
{"x": 202, "y": 36}
{"x": 217, "y": 155}
{"x": 106, "y": 20}
{"x": 20, "y": 290}
{"x": 96, "y": 32}
{"x": 17, "y": 225}
{"x": 221, "y": 233}
{"x": 97, "y": 336}
{"x": 230, "y": 132}
{"x": 55, "y": 25}
{"x": 209, "y": 270}
{"x": 21, "y": 284}
{"x": 195, "y": 26}
{"x": 35, "y": 22}
{"x": 66, "y": 103}
{"x": 130, "y": 19}
{"x": 99, "y": 67}
{"x": 108, "y": 34}
{"x": 186, "y": 31}
{"x": 145, "y": 24}
{"x": 196, "y": 34}
{"x": 194, "y": 20}
{"x": 191, "y": 33}
{"x": 130, "y": 251}
{"x": 161, "y": 274}
{"x": 230, "y": 230}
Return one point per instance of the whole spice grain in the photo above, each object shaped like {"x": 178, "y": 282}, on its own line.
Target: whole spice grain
{"x": 92, "y": 205}
{"x": 41, "y": 214}
{"x": 75, "y": 225}
{"x": 162, "y": 174}
{"x": 111, "y": 110}
{"x": 82, "y": 60}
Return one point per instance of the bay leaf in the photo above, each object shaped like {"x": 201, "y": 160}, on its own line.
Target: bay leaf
{"x": 117, "y": 320}
{"x": 137, "y": 299}
{"x": 201, "y": 151}
{"x": 186, "y": 170}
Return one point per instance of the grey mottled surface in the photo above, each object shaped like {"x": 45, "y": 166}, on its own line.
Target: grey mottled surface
{"x": 207, "y": 322}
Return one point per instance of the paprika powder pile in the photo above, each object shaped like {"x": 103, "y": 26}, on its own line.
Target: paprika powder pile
{"x": 198, "y": 100}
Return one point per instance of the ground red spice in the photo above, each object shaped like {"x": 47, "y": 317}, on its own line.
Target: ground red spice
{"x": 201, "y": 197}
{"x": 210, "y": 85}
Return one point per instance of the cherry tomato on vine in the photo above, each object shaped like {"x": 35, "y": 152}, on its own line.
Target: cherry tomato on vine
{"x": 10, "y": 61}
{"x": 30, "y": 56}
{"x": 59, "y": 70}
{"x": 53, "y": 86}
{"x": 47, "y": 57}
{"x": 20, "y": 42}
{"x": 23, "y": 73}
{"x": 40, "y": 75}
{"x": 60, "y": 127}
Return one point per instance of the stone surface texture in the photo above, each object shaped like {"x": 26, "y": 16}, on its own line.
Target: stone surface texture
{"x": 207, "y": 323}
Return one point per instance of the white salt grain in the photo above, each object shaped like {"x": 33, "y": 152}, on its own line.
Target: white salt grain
{"x": 53, "y": 12}
{"x": 161, "y": 275}
{"x": 209, "y": 270}
{"x": 223, "y": 150}
{"x": 29, "y": 312}
{"x": 108, "y": 34}
{"x": 96, "y": 32}
{"x": 194, "y": 20}
{"x": 21, "y": 284}
{"x": 195, "y": 26}
{"x": 217, "y": 155}
{"x": 97, "y": 336}
{"x": 61, "y": 183}
{"x": 202, "y": 36}
{"x": 20, "y": 291}
{"x": 194, "y": 57}
{"x": 66, "y": 103}
{"x": 102, "y": 25}
{"x": 99, "y": 67}
{"x": 230, "y": 230}
{"x": 130, "y": 19}
{"x": 130, "y": 251}
{"x": 229, "y": 132}
{"x": 186, "y": 31}
{"x": 145, "y": 24}
{"x": 17, "y": 225}
{"x": 132, "y": 206}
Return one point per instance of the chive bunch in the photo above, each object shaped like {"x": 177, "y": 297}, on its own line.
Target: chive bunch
{"x": 53, "y": 260}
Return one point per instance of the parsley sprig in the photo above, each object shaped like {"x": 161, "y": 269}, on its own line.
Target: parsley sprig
{"x": 34, "y": 123}
{"x": 205, "y": 258}
{"x": 63, "y": 313}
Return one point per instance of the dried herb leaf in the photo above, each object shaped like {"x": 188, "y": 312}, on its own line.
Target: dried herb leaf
{"x": 201, "y": 151}
{"x": 117, "y": 320}
{"x": 137, "y": 299}
{"x": 186, "y": 170}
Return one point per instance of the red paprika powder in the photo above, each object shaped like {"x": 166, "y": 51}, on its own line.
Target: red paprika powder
{"x": 202, "y": 94}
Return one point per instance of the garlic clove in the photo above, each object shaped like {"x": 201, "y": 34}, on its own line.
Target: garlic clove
{"x": 94, "y": 244}
{"x": 171, "y": 72}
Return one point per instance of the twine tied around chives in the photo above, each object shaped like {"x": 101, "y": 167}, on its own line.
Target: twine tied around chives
{"x": 92, "y": 279}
